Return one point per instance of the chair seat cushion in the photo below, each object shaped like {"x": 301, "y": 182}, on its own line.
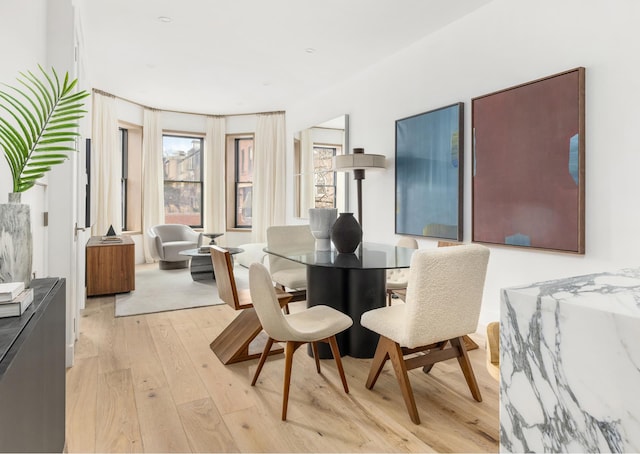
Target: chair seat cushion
{"x": 318, "y": 322}
{"x": 172, "y": 250}
{"x": 294, "y": 278}
{"x": 386, "y": 321}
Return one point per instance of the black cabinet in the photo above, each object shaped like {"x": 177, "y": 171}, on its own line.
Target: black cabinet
{"x": 32, "y": 373}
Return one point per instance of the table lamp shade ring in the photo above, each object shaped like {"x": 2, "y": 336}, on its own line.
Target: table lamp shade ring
{"x": 358, "y": 162}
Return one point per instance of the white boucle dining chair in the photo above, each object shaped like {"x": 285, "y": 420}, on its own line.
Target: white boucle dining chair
{"x": 312, "y": 325}
{"x": 444, "y": 294}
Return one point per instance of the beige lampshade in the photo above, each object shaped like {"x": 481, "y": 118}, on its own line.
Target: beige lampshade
{"x": 358, "y": 161}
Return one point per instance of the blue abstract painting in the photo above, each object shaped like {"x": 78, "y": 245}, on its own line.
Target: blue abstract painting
{"x": 429, "y": 173}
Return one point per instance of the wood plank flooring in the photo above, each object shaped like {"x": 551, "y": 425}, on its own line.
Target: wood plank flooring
{"x": 150, "y": 383}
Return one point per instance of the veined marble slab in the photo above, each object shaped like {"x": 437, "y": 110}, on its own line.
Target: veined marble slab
{"x": 570, "y": 365}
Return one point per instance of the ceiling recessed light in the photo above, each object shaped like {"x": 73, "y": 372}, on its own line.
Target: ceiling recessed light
{"x": 165, "y": 19}
{"x": 309, "y": 50}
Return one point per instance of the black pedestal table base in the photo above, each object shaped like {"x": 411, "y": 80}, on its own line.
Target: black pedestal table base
{"x": 352, "y": 291}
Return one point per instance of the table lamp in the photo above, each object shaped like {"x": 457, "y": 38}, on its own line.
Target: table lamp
{"x": 358, "y": 162}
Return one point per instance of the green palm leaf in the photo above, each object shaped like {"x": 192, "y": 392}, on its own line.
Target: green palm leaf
{"x": 39, "y": 130}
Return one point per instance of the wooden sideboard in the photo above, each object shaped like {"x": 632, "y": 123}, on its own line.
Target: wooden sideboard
{"x": 110, "y": 266}
{"x": 32, "y": 372}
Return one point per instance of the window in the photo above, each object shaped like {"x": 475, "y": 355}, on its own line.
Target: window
{"x": 131, "y": 177}
{"x": 315, "y": 185}
{"x": 124, "y": 147}
{"x": 324, "y": 178}
{"x": 239, "y": 180}
{"x": 182, "y": 161}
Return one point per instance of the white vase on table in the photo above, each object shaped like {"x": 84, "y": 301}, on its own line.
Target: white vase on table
{"x": 320, "y": 222}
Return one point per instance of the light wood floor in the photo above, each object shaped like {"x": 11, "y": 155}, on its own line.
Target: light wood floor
{"x": 150, "y": 383}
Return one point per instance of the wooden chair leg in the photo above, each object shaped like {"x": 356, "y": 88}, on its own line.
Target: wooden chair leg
{"x": 289, "y": 350}
{"x": 467, "y": 370}
{"x": 282, "y": 288}
{"x": 314, "y": 348}
{"x": 379, "y": 359}
{"x": 336, "y": 355}
{"x": 263, "y": 358}
{"x": 400, "y": 368}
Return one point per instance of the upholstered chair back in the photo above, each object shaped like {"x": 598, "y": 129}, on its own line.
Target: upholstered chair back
{"x": 265, "y": 302}
{"x": 175, "y": 232}
{"x": 288, "y": 239}
{"x": 408, "y": 242}
{"x": 444, "y": 293}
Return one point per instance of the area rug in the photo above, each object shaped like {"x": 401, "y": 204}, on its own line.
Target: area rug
{"x": 169, "y": 290}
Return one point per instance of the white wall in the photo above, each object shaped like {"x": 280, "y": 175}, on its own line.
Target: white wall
{"x": 62, "y": 189}
{"x": 502, "y": 44}
{"x": 25, "y": 19}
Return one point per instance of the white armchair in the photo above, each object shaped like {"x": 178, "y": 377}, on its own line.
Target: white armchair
{"x": 169, "y": 240}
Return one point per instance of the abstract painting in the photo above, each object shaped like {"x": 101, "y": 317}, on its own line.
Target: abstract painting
{"x": 429, "y": 173}
{"x": 528, "y": 164}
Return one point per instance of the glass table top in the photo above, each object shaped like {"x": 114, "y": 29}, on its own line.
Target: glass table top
{"x": 367, "y": 256}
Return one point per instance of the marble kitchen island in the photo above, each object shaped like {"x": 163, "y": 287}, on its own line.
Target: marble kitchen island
{"x": 570, "y": 365}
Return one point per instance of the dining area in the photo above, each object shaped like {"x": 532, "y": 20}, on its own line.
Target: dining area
{"x": 173, "y": 393}
{"x": 344, "y": 313}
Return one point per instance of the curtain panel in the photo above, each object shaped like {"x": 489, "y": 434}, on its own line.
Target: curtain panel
{"x": 268, "y": 175}
{"x": 215, "y": 220}
{"x": 106, "y": 166}
{"x": 307, "y": 179}
{"x": 152, "y": 180}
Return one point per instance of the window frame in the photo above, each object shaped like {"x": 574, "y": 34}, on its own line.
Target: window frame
{"x": 132, "y": 204}
{"x": 335, "y": 149}
{"x": 232, "y": 182}
{"x": 124, "y": 175}
{"x": 192, "y": 136}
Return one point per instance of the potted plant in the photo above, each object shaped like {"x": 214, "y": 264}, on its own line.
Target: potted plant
{"x": 38, "y": 123}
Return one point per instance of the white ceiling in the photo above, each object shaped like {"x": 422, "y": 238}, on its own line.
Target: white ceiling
{"x": 245, "y": 56}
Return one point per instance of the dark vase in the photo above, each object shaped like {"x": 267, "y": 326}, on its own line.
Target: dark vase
{"x": 347, "y": 261}
{"x": 346, "y": 233}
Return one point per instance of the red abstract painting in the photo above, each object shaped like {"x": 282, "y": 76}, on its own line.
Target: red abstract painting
{"x": 528, "y": 164}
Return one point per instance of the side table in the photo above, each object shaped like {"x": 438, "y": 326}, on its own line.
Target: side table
{"x": 110, "y": 266}
{"x": 212, "y": 236}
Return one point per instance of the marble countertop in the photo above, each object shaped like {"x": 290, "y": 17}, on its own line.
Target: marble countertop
{"x": 617, "y": 291}
{"x": 570, "y": 364}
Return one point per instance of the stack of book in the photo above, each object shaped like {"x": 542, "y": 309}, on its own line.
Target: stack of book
{"x": 14, "y": 299}
{"x": 111, "y": 239}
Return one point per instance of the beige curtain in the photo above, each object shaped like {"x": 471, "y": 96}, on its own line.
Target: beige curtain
{"x": 106, "y": 166}
{"x": 152, "y": 179}
{"x": 307, "y": 195}
{"x": 214, "y": 177}
{"x": 268, "y": 175}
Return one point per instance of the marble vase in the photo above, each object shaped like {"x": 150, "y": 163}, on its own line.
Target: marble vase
{"x": 320, "y": 222}
{"x": 16, "y": 247}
